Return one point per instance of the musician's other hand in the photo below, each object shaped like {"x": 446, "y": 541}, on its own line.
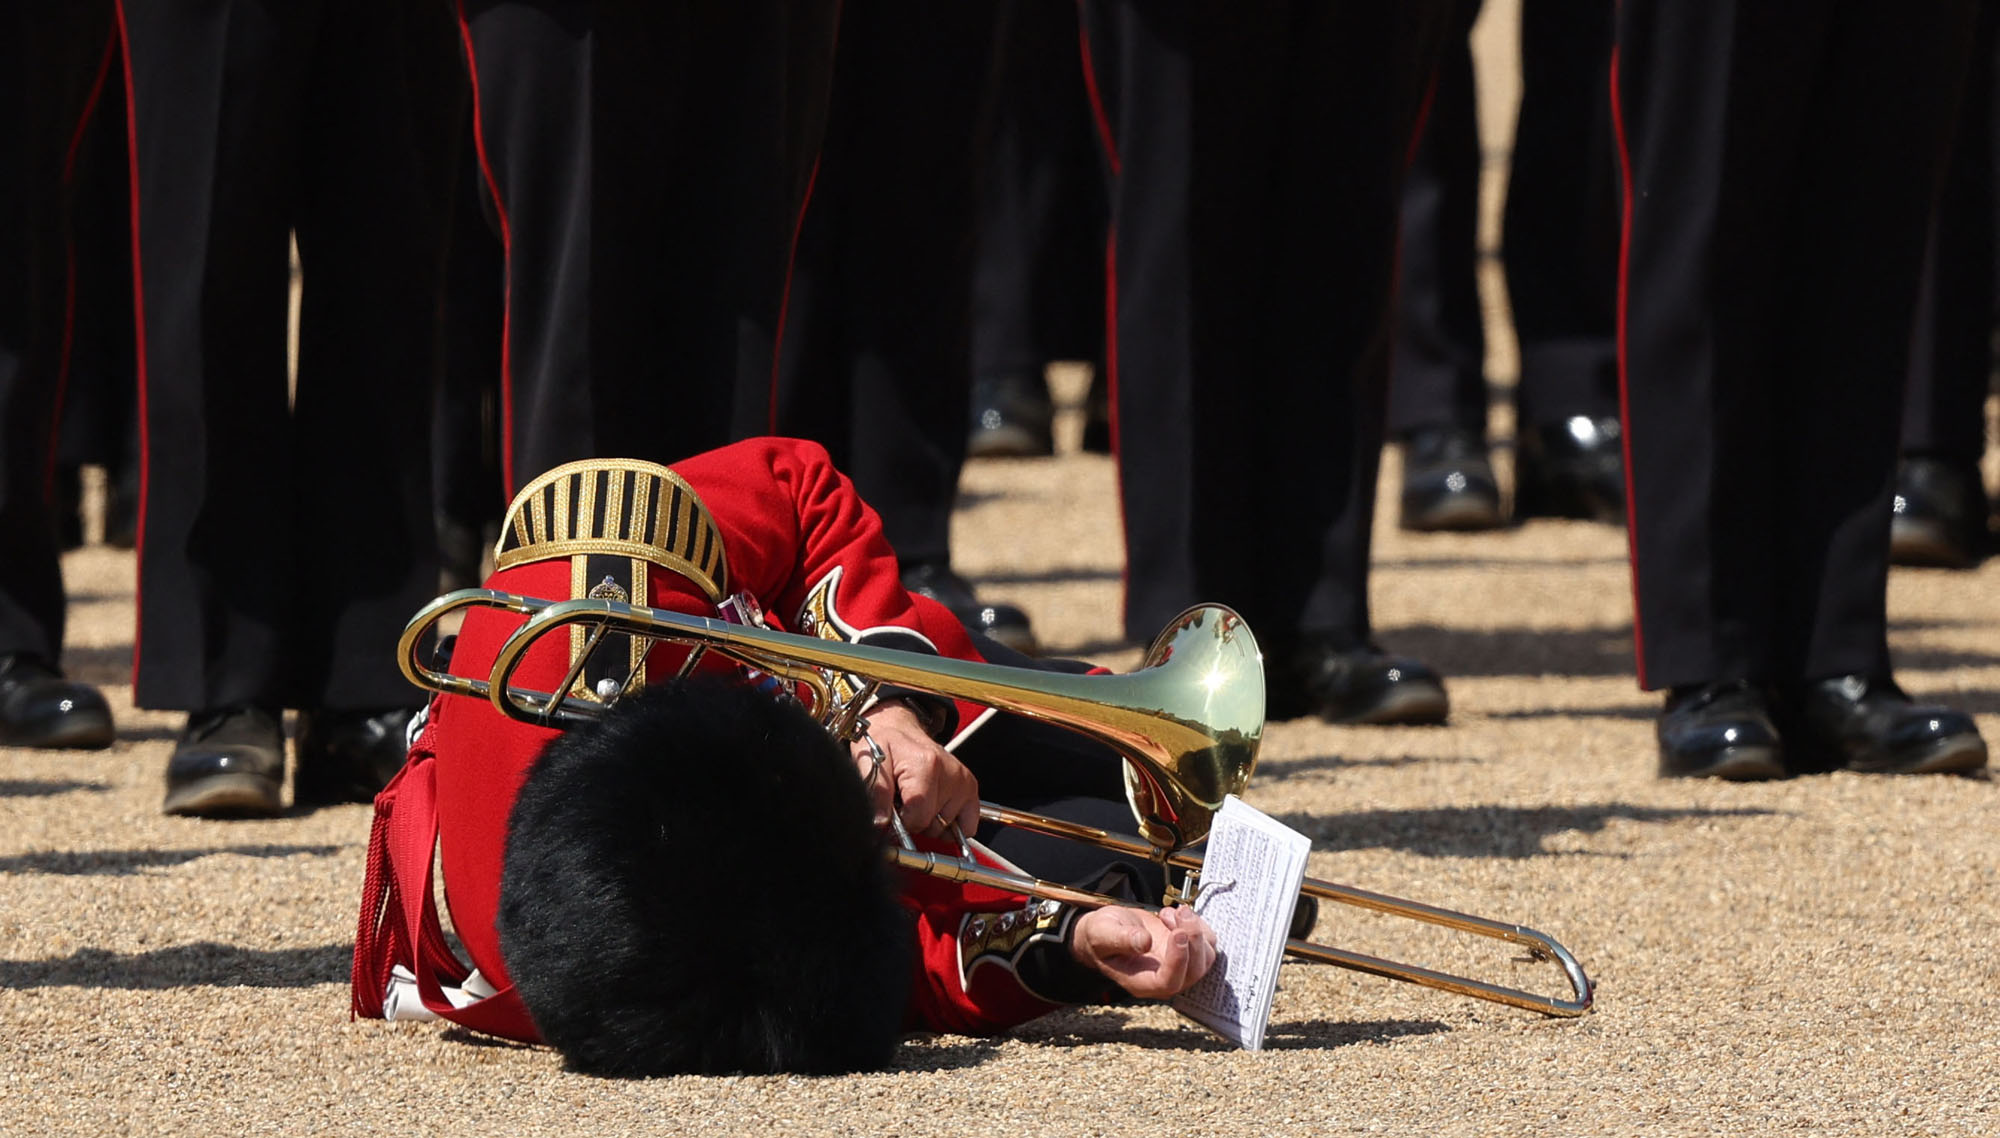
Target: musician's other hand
{"x": 1152, "y": 955}
{"x": 931, "y": 781}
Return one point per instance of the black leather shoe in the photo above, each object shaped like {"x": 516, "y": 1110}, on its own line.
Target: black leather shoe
{"x": 1720, "y": 730}
{"x": 1448, "y": 483}
{"x": 348, "y": 756}
{"x": 1363, "y": 685}
{"x": 1005, "y": 623}
{"x": 1859, "y": 723}
{"x": 1571, "y": 469}
{"x": 230, "y": 764}
{"x": 39, "y": 708}
{"x": 1011, "y": 418}
{"x": 1939, "y": 514}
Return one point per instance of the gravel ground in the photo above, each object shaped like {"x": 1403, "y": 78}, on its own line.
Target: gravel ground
{"x": 1816, "y": 955}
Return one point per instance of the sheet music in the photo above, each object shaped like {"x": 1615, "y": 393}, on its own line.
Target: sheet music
{"x": 1250, "y": 879}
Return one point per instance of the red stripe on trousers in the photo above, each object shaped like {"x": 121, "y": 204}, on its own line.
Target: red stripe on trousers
{"x": 785, "y": 298}
{"x": 1096, "y": 96}
{"x": 1110, "y": 144}
{"x": 1624, "y": 368}
{"x": 69, "y": 266}
{"x": 506, "y": 252}
{"x": 139, "y": 338}
{"x": 792, "y": 254}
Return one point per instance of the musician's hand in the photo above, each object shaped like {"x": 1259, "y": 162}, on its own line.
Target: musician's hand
{"x": 931, "y": 781}
{"x": 1151, "y": 955}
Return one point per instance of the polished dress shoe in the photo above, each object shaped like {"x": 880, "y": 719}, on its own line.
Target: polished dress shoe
{"x": 1719, "y": 730}
{"x": 1859, "y": 723}
{"x": 1938, "y": 517}
{"x": 230, "y": 764}
{"x": 1361, "y": 685}
{"x": 348, "y": 756}
{"x": 39, "y": 708}
{"x": 1448, "y": 483}
{"x": 1571, "y": 469}
{"x": 1011, "y": 418}
{"x": 1005, "y": 623}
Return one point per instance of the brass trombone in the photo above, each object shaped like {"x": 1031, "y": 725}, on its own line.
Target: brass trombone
{"x": 1187, "y": 721}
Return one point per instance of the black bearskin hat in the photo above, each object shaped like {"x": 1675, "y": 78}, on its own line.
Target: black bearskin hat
{"x": 693, "y": 885}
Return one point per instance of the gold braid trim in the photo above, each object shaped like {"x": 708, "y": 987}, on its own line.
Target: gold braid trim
{"x": 623, "y": 519}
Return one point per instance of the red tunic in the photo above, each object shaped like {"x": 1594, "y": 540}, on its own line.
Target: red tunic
{"x": 794, "y": 535}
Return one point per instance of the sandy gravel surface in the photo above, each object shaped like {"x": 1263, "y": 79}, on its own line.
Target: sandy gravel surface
{"x": 1820, "y": 955}
{"x": 1813, "y": 955}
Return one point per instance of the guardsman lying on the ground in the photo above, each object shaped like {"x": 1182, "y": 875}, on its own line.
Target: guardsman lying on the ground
{"x": 695, "y": 882}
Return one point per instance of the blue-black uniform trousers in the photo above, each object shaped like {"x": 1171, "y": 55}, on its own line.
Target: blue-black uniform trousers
{"x": 285, "y": 537}
{"x": 1559, "y": 233}
{"x": 644, "y": 163}
{"x": 875, "y": 362}
{"x": 1782, "y": 159}
{"x": 1951, "y": 354}
{"x": 1257, "y": 152}
{"x": 53, "y": 56}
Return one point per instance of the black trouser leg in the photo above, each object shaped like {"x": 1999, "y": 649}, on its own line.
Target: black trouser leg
{"x": 1951, "y": 353}
{"x": 282, "y": 548}
{"x": 1257, "y": 161}
{"x": 876, "y": 359}
{"x": 371, "y": 224}
{"x": 99, "y": 400}
{"x": 1560, "y": 230}
{"x": 1769, "y": 292}
{"x": 1439, "y": 373}
{"x": 465, "y": 454}
{"x": 1038, "y": 284}
{"x": 50, "y": 52}
{"x": 647, "y": 159}
{"x": 217, "y": 530}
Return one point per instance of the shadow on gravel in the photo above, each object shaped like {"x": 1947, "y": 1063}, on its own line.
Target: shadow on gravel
{"x": 1976, "y": 702}
{"x": 121, "y": 862}
{"x": 204, "y": 965}
{"x": 1645, "y": 711}
{"x": 1100, "y": 1026}
{"x": 1939, "y": 659}
{"x": 1484, "y": 831}
{"x": 151, "y": 733}
{"x": 1313, "y": 1034}
{"x": 1281, "y": 768}
{"x": 46, "y": 787}
{"x": 1599, "y": 651}
{"x": 934, "y": 1054}
{"x": 1423, "y": 563}
{"x": 1069, "y": 574}
{"x": 470, "y": 1038}
{"x": 1603, "y": 650}
{"x": 106, "y": 665}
